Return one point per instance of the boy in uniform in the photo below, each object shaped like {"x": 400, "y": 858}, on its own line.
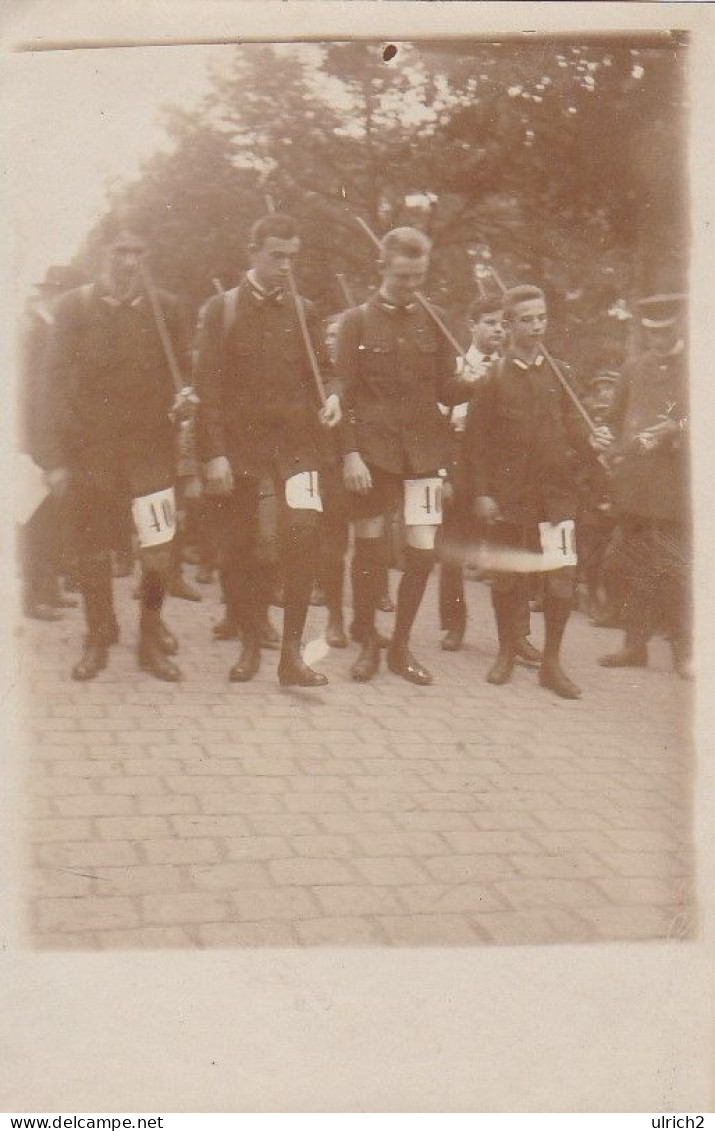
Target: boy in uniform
{"x": 521, "y": 443}
{"x": 395, "y": 366}
{"x": 259, "y": 417}
{"x": 109, "y": 441}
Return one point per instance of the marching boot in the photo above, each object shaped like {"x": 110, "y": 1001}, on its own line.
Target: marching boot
{"x": 633, "y": 654}
{"x": 400, "y": 661}
{"x": 249, "y": 660}
{"x": 154, "y": 636}
{"x": 92, "y": 662}
{"x": 95, "y": 579}
{"x": 557, "y": 611}
{"x": 151, "y": 655}
{"x": 501, "y": 670}
{"x": 293, "y": 672}
{"x": 368, "y": 662}
{"x": 526, "y": 653}
{"x": 452, "y": 607}
{"x": 553, "y": 677}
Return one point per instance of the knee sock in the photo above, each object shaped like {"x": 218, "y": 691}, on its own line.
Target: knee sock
{"x": 418, "y": 566}
{"x": 368, "y": 568}
{"x": 557, "y": 611}
{"x": 299, "y": 562}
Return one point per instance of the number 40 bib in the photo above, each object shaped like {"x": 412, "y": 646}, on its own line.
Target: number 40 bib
{"x": 155, "y": 517}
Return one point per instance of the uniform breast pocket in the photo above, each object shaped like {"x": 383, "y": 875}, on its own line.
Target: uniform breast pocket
{"x": 377, "y": 359}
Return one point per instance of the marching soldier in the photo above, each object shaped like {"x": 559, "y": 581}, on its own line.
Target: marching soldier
{"x": 486, "y": 325}
{"x": 650, "y": 488}
{"x": 519, "y": 448}
{"x": 110, "y": 441}
{"x": 395, "y": 367}
{"x": 42, "y": 537}
{"x": 260, "y": 416}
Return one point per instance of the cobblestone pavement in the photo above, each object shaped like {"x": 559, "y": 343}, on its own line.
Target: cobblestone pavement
{"x": 207, "y": 814}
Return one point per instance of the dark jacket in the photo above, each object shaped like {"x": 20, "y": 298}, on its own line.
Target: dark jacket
{"x": 108, "y": 389}
{"x": 395, "y": 366}
{"x": 524, "y": 442}
{"x": 34, "y": 336}
{"x": 651, "y": 484}
{"x": 258, "y": 401}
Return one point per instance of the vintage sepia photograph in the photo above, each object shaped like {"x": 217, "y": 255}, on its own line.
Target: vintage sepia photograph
{"x": 354, "y": 549}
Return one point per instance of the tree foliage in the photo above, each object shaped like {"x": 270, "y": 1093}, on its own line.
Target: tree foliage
{"x": 560, "y": 163}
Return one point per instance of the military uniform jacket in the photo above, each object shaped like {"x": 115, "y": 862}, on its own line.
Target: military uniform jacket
{"x": 258, "y": 401}
{"x": 652, "y": 484}
{"x": 395, "y": 368}
{"x": 108, "y": 387}
{"x": 524, "y": 442}
{"x": 33, "y": 344}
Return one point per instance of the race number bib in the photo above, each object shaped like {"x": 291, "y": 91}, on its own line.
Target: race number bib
{"x": 423, "y": 502}
{"x": 155, "y": 517}
{"x": 302, "y": 492}
{"x": 558, "y": 544}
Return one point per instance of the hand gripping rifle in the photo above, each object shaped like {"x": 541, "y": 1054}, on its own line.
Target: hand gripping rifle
{"x": 185, "y": 400}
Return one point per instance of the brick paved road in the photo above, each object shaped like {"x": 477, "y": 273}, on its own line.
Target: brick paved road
{"x": 216, "y": 815}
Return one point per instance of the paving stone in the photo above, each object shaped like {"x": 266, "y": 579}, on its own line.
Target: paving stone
{"x": 185, "y": 907}
{"x": 430, "y": 930}
{"x": 190, "y": 851}
{"x": 145, "y": 938}
{"x": 309, "y": 871}
{"x": 276, "y": 902}
{"x": 339, "y": 932}
{"x": 271, "y": 932}
{"x": 87, "y": 913}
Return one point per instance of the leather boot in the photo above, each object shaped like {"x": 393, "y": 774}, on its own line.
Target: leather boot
{"x": 553, "y": 677}
{"x": 180, "y": 587}
{"x": 248, "y": 662}
{"x": 293, "y": 672}
{"x": 92, "y": 662}
{"x": 401, "y": 662}
{"x": 368, "y": 662}
{"x": 633, "y": 654}
{"x": 335, "y": 631}
{"x": 152, "y": 658}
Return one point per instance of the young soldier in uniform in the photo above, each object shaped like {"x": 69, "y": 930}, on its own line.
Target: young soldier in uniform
{"x": 486, "y": 326}
{"x": 110, "y": 442}
{"x": 259, "y": 417}
{"x": 650, "y": 488}
{"x": 42, "y": 538}
{"x": 395, "y": 366}
{"x": 519, "y": 444}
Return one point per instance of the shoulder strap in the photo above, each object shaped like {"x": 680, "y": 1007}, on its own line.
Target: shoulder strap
{"x": 230, "y": 301}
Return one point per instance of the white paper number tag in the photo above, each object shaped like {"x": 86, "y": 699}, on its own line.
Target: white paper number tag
{"x": 558, "y": 544}
{"x": 303, "y": 493}
{"x": 155, "y": 517}
{"x": 423, "y": 502}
